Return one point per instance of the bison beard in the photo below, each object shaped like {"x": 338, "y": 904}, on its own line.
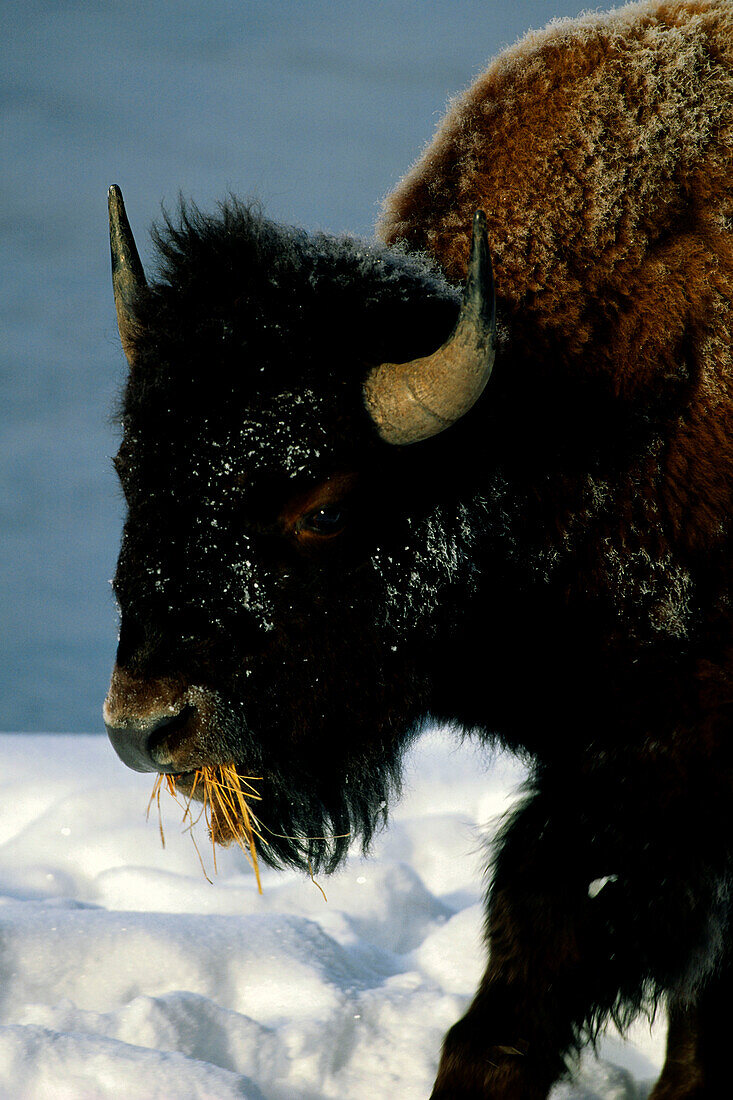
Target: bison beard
{"x": 300, "y": 589}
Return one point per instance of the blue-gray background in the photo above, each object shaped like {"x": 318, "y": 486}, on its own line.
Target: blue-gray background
{"x": 315, "y": 106}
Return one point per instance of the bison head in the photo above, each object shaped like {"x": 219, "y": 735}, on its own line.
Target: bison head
{"x": 289, "y": 570}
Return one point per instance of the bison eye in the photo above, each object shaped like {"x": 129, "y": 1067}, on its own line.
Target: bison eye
{"x": 324, "y": 521}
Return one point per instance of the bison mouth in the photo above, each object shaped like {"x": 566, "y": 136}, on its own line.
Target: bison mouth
{"x": 226, "y": 805}
{"x": 164, "y": 727}
{"x": 314, "y": 803}
{"x": 175, "y": 731}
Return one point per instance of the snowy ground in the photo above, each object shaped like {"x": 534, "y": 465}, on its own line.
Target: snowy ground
{"x": 124, "y": 973}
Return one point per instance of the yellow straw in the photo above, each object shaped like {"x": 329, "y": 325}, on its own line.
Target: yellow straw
{"x": 225, "y": 809}
{"x": 224, "y": 795}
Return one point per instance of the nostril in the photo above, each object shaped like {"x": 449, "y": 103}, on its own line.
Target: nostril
{"x": 137, "y": 742}
{"x": 171, "y": 737}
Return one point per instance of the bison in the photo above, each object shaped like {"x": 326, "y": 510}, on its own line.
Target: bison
{"x": 336, "y": 532}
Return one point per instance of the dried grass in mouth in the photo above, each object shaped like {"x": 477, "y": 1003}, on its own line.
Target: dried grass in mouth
{"x": 224, "y": 795}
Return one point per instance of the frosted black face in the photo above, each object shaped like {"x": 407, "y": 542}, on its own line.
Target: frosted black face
{"x": 281, "y": 567}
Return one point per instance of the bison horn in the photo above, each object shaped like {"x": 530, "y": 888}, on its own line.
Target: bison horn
{"x": 413, "y": 401}
{"x": 128, "y": 277}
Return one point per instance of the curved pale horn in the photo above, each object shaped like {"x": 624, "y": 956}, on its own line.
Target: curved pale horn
{"x": 128, "y": 277}
{"x": 413, "y": 401}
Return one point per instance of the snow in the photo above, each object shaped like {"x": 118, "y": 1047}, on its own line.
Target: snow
{"x": 125, "y": 973}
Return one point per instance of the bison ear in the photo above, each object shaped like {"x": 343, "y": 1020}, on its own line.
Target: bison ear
{"x": 128, "y": 277}
{"x": 412, "y": 401}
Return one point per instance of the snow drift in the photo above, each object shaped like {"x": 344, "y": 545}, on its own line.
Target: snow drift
{"x": 124, "y": 973}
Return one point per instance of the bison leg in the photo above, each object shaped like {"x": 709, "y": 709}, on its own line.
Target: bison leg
{"x": 510, "y": 1045}
{"x": 682, "y": 1074}
{"x": 698, "y": 1058}
{"x": 590, "y": 910}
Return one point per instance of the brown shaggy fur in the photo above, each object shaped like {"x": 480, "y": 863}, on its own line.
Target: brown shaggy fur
{"x": 600, "y": 150}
